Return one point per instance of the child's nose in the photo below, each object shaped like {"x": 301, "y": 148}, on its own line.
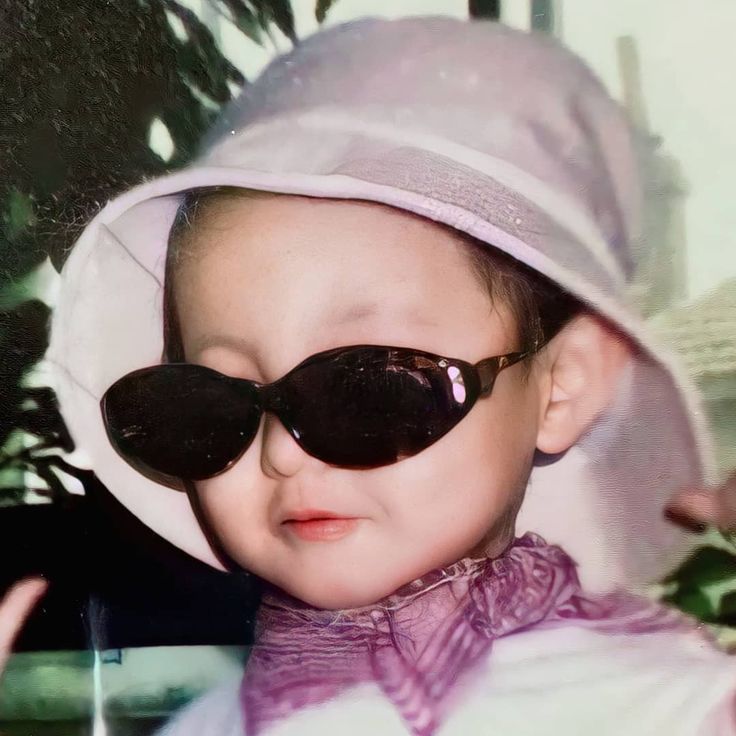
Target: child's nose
{"x": 281, "y": 455}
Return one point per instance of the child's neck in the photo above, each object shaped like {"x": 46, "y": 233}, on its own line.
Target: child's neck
{"x": 416, "y": 605}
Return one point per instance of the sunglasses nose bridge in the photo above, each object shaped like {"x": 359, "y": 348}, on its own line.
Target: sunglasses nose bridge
{"x": 271, "y": 398}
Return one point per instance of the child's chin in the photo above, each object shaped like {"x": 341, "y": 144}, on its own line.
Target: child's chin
{"x": 336, "y": 594}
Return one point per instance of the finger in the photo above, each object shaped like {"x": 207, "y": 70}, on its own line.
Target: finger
{"x": 700, "y": 506}
{"x": 15, "y": 607}
{"x": 694, "y": 509}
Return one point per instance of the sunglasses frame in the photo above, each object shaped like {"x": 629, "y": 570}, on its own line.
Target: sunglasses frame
{"x": 269, "y": 397}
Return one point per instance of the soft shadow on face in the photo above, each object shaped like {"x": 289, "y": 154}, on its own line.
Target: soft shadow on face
{"x": 274, "y": 280}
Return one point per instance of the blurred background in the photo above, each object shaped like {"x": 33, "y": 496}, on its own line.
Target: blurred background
{"x": 99, "y": 95}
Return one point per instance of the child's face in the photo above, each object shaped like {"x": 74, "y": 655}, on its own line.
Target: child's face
{"x": 287, "y": 277}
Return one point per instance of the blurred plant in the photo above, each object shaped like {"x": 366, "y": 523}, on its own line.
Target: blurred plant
{"x": 484, "y": 9}
{"x": 81, "y": 87}
{"x": 705, "y": 584}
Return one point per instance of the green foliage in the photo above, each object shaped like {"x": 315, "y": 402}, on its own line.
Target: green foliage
{"x": 245, "y": 20}
{"x": 695, "y": 585}
{"x": 727, "y": 609}
{"x": 280, "y": 12}
{"x": 81, "y": 87}
{"x": 490, "y": 9}
{"x": 19, "y": 215}
{"x": 707, "y": 565}
{"x": 323, "y": 6}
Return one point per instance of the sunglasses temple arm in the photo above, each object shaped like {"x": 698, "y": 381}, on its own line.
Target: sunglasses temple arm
{"x": 489, "y": 368}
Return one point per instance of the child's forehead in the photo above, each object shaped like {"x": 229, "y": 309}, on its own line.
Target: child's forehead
{"x": 364, "y": 242}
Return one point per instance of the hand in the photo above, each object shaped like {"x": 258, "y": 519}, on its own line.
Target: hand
{"x": 698, "y": 508}
{"x": 14, "y": 609}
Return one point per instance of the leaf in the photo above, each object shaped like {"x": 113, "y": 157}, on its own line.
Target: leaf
{"x": 244, "y": 18}
{"x": 282, "y": 15}
{"x": 320, "y": 11}
{"x": 254, "y": 17}
{"x": 705, "y": 566}
{"x": 727, "y": 605}
{"x": 485, "y": 9}
{"x": 43, "y": 469}
{"x": 19, "y": 214}
{"x": 693, "y": 601}
{"x": 12, "y": 495}
{"x": 15, "y": 292}
{"x": 199, "y": 58}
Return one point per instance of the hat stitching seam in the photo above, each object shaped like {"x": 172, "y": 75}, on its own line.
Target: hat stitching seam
{"x": 131, "y": 255}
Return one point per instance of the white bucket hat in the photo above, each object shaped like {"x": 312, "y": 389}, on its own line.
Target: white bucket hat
{"x": 501, "y": 134}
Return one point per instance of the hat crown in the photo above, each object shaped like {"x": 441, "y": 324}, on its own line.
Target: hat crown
{"x": 521, "y": 98}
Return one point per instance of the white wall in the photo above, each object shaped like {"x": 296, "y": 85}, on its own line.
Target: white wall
{"x": 688, "y": 55}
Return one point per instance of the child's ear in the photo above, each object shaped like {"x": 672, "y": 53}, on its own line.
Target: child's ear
{"x": 580, "y": 369}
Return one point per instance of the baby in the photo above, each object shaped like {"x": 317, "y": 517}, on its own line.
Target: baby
{"x": 396, "y": 337}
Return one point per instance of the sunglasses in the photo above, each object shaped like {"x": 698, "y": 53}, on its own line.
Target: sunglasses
{"x": 361, "y": 406}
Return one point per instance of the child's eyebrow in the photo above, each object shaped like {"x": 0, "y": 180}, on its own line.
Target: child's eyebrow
{"x": 355, "y": 313}
{"x": 365, "y": 310}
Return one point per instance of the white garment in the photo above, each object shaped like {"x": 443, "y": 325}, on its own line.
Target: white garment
{"x": 556, "y": 682}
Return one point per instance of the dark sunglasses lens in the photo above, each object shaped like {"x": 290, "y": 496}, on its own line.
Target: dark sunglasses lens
{"x": 373, "y": 406}
{"x": 180, "y": 421}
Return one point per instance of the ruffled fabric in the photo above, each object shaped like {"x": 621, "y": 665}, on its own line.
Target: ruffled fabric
{"x": 420, "y": 643}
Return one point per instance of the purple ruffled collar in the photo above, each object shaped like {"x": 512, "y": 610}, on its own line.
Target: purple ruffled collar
{"x": 419, "y": 643}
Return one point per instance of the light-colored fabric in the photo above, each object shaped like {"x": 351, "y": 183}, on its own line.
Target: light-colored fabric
{"x": 421, "y": 643}
{"x": 561, "y": 682}
{"x": 216, "y": 713}
{"x": 503, "y": 135}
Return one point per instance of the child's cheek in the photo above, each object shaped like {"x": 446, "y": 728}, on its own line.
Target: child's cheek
{"x": 235, "y": 513}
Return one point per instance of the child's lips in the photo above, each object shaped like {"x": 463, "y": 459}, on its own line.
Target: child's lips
{"x": 321, "y": 529}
